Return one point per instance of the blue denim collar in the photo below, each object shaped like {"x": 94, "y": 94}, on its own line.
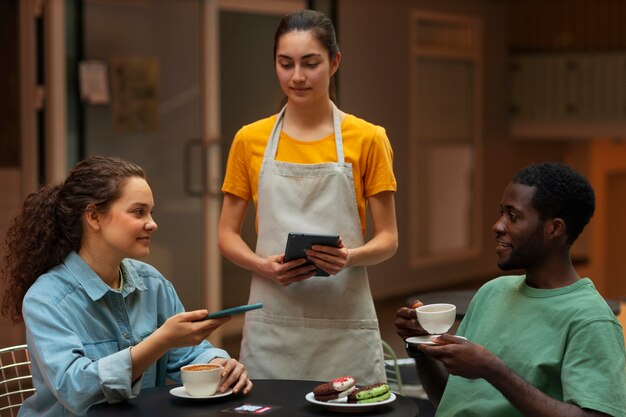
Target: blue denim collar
{"x": 93, "y": 284}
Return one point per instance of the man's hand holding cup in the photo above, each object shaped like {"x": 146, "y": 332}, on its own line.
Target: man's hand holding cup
{"x": 406, "y": 321}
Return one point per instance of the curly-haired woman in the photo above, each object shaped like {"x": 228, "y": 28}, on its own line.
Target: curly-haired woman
{"x": 100, "y": 325}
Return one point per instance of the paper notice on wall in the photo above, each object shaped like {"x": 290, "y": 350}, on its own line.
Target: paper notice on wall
{"x": 94, "y": 82}
{"x": 450, "y": 172}
{"x": 135, "y": 85}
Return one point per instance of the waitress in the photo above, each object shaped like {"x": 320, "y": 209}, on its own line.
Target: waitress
{"x": 310, "y": 168}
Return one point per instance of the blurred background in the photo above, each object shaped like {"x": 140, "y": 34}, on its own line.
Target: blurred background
{"x": 469, "y": 92}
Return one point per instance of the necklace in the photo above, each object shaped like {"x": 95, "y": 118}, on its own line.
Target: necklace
{"x": 121, "y": 278}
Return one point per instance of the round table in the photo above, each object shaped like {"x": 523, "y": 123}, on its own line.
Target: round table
{"x": 285, "y": 396}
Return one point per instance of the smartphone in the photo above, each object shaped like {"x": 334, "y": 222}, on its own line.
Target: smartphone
{"x": 233, "y": 310}
{"x": 297, "y": 243}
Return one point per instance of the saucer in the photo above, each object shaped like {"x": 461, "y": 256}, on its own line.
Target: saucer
{"x": 427, "y": 339}
{"x": 422, "y": 340}
{"x": 181, "y": 392}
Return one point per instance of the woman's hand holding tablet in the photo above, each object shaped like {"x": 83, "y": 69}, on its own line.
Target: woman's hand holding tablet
{"x": 298, "y": 243}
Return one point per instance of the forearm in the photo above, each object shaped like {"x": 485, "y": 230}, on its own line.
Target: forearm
{"x": 384, "y": 244}
{"x": 229, "y": 239}
{"x": 145, "y": 353}
{"x": 380, "y": 248}
{"x": 238, "y": 252}
{"x": 529, "y": 400}
{"x": 433, "y": 376}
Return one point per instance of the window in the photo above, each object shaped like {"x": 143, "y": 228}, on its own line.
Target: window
{"x": 446, "y": 106}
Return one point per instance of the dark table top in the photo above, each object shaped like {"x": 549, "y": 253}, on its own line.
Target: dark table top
{"x": 286, "y": 396}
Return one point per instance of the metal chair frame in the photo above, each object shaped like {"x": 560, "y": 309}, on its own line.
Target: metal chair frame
{"x": 15, "y": 379}
{"x": 394, "y": 378}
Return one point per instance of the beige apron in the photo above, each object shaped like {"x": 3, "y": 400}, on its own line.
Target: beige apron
{"x": 323, "y": 327}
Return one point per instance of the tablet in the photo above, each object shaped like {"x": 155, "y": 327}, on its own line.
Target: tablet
{"x": 234, "y": 310}
{"x": 297, "y": 243}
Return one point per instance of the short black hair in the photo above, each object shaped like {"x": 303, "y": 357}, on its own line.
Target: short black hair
{"x": 560, "y": 192}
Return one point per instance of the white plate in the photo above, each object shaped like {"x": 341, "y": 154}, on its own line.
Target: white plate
{"x": 343, "y": 406}
{"x": 182, "y": 393}
{"x": 422, "y": 340}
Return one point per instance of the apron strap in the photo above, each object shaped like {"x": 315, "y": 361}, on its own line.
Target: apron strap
{"x": 338, "y": 136}
{"x": 272, "y": 146}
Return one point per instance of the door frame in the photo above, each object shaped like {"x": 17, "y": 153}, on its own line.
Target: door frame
{"x": 48, "y": 165}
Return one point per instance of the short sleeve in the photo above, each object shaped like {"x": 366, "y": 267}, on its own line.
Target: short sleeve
{"x": 594, "y": 369}
{"x": 378, "y": 176}
{"x": 237, "y": 177}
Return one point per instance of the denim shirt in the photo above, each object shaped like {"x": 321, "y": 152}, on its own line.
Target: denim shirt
{"x": 79, "y": 333}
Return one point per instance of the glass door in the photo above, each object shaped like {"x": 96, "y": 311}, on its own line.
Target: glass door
{"x": 151, "y": 50}
{"x": 183, "y": 72}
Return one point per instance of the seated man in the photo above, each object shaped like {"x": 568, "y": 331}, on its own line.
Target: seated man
{"x": 540, "y": 344}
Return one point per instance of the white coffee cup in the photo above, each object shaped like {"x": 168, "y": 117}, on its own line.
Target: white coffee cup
{"x": 201, "y": 380}
{"x": 436, "y": 318}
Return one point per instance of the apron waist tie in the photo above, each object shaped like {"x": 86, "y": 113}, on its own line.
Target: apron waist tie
{"x": 371, "y": 324}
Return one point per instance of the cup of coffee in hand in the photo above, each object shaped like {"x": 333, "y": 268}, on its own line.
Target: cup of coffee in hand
{"x": 436, "y": 318}
{"x": 201, "y": 380}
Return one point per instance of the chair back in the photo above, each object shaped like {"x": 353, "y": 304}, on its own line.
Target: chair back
{"x": 16, "y": 381}
{"x": 394, "y": 379}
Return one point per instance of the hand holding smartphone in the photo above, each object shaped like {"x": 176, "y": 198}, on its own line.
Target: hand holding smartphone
{"x": 233, "y": 310}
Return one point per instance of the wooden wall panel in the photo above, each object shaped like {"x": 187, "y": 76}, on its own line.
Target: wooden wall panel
{"x": 616, "y": 207}
{"x": 9, "y": 85}
{"x": 546, "y": 25}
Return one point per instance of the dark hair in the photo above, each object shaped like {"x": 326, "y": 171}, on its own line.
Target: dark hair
{"x": 49, "y": 226}
{"x": 560, "y": 192}
{"x": 320, "y": 27}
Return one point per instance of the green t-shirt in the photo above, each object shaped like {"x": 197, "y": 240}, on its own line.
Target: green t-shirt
{"x": 564, "y": 341}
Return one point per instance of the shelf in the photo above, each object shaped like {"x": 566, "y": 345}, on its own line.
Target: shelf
{"x": 567, "y": 130}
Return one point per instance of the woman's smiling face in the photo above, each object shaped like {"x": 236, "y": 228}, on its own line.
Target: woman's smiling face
{"x": 127, "y": 224}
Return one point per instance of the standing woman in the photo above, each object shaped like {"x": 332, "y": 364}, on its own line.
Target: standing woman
{"x": 100, "y": 326}
{"x": 311, "y": 168}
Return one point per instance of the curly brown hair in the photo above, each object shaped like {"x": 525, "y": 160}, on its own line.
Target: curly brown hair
{"x": 50, "y": 226}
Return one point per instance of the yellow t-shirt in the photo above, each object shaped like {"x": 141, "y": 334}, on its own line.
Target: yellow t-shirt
{"x": 366, "y": 147}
